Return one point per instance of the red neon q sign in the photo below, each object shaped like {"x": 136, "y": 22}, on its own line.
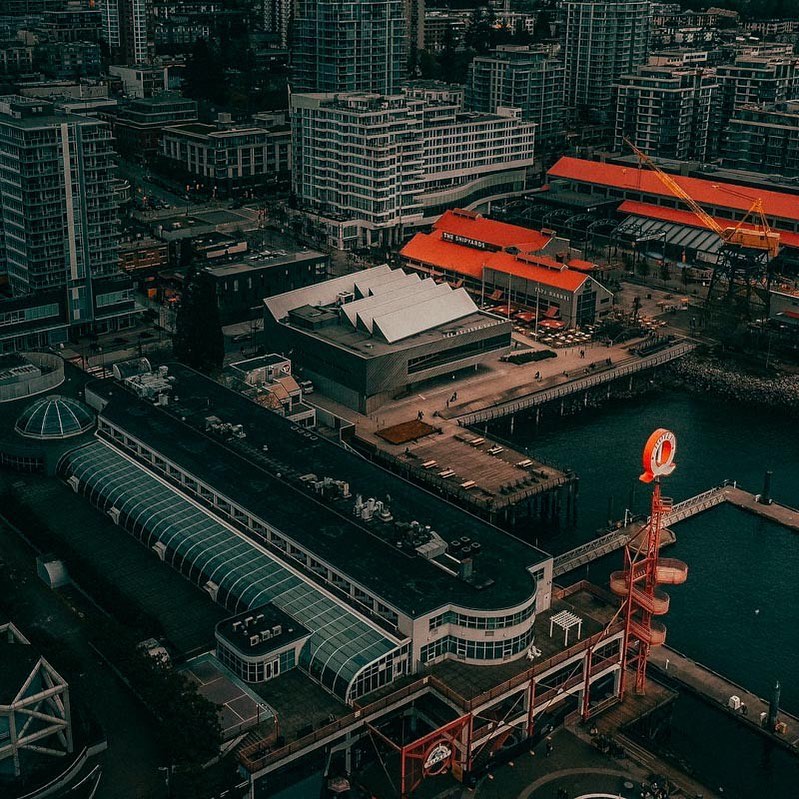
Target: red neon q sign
{"x": 659, "y": 455}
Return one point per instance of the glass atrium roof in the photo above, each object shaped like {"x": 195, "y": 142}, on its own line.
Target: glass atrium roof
{"x": 204, "y": 549}
{"x": 54, "y": 417}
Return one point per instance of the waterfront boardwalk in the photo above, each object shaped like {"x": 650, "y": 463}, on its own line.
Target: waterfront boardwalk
{"x": 582, "y": 377}
{"x": 488, "y": 476}
{"x": 718, "y": 689}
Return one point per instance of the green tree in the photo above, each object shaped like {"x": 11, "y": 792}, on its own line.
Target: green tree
{"x": 199, "y": 342}
{"x": 480, "y": 32}
{"x": 204, "y": 77}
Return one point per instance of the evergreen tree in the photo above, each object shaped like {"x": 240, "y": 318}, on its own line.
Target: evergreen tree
{"x": 480, "y": 31}
{"x": 204, "y": 77}
{"x": 198, "y": 341}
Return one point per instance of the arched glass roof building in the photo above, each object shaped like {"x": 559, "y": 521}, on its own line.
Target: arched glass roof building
{"x": 342, "y": 643}
{"x": 54, "y": 417}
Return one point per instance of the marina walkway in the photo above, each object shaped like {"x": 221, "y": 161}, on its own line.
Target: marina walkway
{"x": 604, "y": 545}
{"x": 718, "y": 689}
{"x": 780, "y": 514}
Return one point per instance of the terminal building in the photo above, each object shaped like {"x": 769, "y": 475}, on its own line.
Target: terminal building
{"x": 368, "y": 337}
{"x": 385, "y": 577}
{"x": 381, "y": 594}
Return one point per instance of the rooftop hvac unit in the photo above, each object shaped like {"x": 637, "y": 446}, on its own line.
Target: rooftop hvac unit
{"x": 265, "y": 635}
{"x": 277, "y": 630}
{"x": 255, "y": 640}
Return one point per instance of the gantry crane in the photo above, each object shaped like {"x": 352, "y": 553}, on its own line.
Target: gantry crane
{"x": 740, "y": 283}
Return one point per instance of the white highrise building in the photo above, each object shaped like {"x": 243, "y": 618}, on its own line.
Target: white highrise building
{"x": 601, "y": 42}
{"x": 367, "y": 167}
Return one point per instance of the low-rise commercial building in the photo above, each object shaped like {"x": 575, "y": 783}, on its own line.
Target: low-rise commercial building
{"x": 140, "y": 81}
{"x": 506, "y": 265}
{"x": 367, "y": 337}
{"x": 143, "y": 255}
{"x": 267, "y": 380}
{"x": 138, "y": 124}
{"x": 241, "y": 287}
{"x": 228, "y": 158}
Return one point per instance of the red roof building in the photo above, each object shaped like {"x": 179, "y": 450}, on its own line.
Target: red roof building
{"x": 726, "y": 202}
{"x": 689, "y": 218}
{"x": 504, "y": 262}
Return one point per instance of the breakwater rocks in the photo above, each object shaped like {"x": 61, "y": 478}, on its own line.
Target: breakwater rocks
{"x": 706, "y": 375}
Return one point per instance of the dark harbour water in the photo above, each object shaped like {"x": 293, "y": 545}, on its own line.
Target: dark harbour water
{"x": 738, "y": 563}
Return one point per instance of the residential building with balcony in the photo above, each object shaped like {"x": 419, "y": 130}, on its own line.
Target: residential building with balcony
{"x": 368, "y": 168}
{"x": 529, "y": 78}
{"x": 59, "y": 218}
{"x": 764, "y": 138}
{"x": 354, "y": 45}
{"x": 668, "y": 112}
{"x": 601, "y": 42}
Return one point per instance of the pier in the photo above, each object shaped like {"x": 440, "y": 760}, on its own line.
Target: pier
{"x": 489, "y": 408}
{"x": 718, "y": 689}
{"x": 732, "y": 493}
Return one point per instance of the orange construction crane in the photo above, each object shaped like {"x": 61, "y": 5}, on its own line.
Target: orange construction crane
{"x": 759, "y": 237}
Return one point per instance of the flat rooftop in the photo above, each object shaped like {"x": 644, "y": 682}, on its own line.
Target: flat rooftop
{"x": 186, "y": 614}
{"x": 272, "y": 628}
{"x": 261, "y": 262}
{"x": 262, "y": 473}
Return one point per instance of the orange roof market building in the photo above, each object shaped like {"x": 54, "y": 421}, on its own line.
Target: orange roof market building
{"x": 508, "y": 265}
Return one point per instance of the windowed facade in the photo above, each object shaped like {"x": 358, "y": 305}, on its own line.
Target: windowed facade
{"x": 256, "y": 669}
{"x": 465, "y": 649}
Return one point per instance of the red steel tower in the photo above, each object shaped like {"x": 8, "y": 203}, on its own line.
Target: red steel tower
{"x": 644, "y": 570}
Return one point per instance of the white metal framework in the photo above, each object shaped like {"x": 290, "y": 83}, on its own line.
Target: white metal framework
{"x": 36, "y": 717}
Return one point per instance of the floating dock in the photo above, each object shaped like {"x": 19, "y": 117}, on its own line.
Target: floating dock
{"x": 718, "y": 689}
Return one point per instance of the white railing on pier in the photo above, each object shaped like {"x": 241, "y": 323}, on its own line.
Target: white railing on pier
{"x": 575, "y": 386}
{"x": 610, "y": 542}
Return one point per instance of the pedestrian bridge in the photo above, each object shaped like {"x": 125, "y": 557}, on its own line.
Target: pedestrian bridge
{"x": 604, "y": 545}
